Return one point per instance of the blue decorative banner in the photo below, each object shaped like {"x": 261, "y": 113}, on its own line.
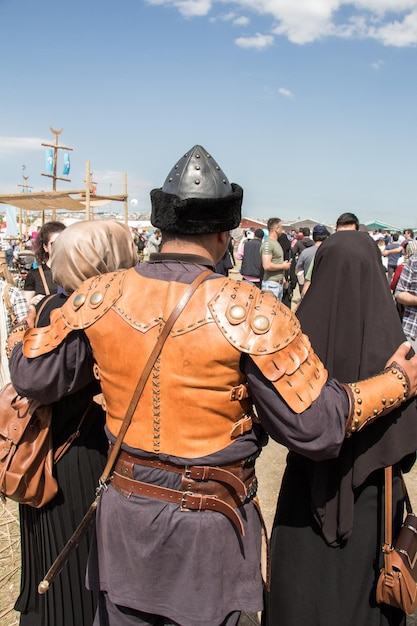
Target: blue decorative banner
{"x": 49, "y": 160}
{"x": 67, "y": 166}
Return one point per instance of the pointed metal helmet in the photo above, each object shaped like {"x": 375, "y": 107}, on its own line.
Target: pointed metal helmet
{"x": 196, "y": 197}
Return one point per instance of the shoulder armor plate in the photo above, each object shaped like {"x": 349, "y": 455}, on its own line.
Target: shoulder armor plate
{"x": 255, "y": 322}
{"x": 84, "y": 307}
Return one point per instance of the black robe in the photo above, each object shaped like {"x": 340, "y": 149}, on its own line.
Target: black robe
{"x": 327, "y": 534}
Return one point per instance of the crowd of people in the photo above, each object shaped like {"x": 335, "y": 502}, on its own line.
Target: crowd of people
{"x": 114, "y": 343}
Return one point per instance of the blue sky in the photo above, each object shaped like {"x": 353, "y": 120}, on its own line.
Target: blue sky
{"x": 310, "y": 105}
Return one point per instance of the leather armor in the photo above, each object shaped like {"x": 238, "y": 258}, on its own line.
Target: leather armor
{"x": 195, "y": 401}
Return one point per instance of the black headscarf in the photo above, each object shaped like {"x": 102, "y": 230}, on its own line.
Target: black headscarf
{"x": 350, "y": 317}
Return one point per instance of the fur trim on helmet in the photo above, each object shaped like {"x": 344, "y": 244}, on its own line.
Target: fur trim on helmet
{"x": 196, "y": 216}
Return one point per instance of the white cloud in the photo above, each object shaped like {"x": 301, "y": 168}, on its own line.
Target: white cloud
{"x": 237, "y": 20}
{"x": 382, "y": 6}
{"x": 399, "y": 33}
{"x": 303, "y": 21}
{"x": 14, "y": 145}
{"x": 285, "y": 92}
{"x": 377, "y": 64}
{"x": 391, "y": 22}
{"x": 259, "y": 42}
{"x": 241, "y": 21}
{"x": 187, "y": 8}
{"x": 228, "y": 17}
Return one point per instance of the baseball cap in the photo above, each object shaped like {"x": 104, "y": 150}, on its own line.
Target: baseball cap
{"x": 319, "y": 229}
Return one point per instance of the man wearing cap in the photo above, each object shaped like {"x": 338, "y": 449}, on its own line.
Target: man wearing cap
{"x": 320, "y": 233}
{"x": 178, "y": 530}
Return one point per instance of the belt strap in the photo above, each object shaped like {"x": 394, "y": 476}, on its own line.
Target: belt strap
{"x": 186, "y": 500}
{"x": 194, "y": 472}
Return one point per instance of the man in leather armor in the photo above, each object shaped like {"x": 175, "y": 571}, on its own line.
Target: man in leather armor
{"x": 178, "y": 527}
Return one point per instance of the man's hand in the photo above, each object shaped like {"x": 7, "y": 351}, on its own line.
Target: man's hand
{"x": 408, "y": 365}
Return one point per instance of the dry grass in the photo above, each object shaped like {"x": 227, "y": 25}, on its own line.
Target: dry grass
{"x": 9, "y": 562}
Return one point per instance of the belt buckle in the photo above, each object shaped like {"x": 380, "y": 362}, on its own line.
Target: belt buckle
{"x": 183, "y": 505}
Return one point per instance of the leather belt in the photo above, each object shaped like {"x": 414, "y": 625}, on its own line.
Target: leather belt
{"x": 187, "y": 500}
{"x": 203, "y": 487}
{"x": 235, "y": 476}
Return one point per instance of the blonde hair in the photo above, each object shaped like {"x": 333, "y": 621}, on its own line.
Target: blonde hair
{"x": 6, "y": 274}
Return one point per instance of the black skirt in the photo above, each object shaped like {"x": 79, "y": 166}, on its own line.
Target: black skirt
{"x": 45, "y": 531}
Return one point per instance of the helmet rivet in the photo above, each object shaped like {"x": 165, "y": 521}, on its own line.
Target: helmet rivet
{"x": 197, "y": 156}
{"x": 170, "y": 179}
{"x": 197, "y": 167}
{"x": 197, "y": 181}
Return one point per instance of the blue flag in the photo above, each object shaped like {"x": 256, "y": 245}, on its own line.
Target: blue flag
{"x": 49, "y": 160}
{"x": 66, "y": 169}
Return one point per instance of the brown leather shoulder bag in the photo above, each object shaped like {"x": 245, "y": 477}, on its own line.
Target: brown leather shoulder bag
{"x": 26, "y": 455}
{"x": 397, "y": 580}
{"x": 26, "y": 448}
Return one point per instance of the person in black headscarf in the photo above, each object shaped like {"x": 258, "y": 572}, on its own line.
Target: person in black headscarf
{"x": 328, "y": 529}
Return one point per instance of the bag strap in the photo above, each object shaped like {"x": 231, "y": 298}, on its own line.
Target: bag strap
{"x": 61, "y": 450}
{"x": 44, "y": 301}
{"x": 146, "y": 371}
{"x": 387, "y": 547}
{"x": 388, "y": 543}
{"x": 45, "y": 284}
{"x": 388, "y": 505}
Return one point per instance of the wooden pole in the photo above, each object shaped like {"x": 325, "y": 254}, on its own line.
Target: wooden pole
{"x": 55, "y": 146}
{"x": 56, "y": 133}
